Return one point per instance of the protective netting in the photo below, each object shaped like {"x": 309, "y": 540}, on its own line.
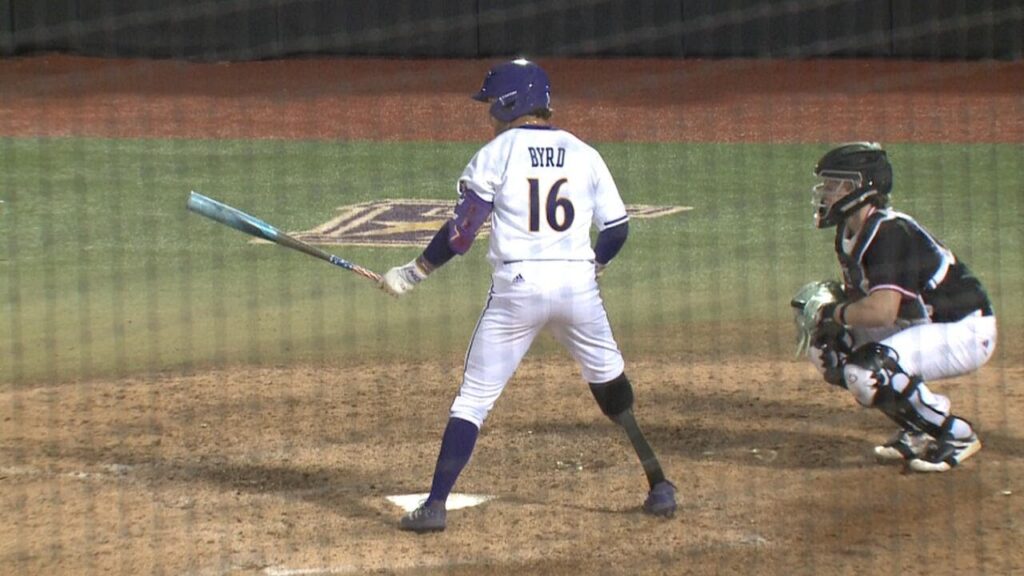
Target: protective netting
{"x": 177, "y": 397}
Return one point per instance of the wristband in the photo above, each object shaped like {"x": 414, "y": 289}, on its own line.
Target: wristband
{"x": 841, "y": 315}
{"x": 423, "y": 265}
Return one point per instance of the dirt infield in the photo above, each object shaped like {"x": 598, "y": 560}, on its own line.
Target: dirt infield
{"x": 601, "y": 100}
{"x": 232, "y": 472}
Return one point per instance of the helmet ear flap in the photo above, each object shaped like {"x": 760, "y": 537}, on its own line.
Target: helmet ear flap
{"x": 882, "y": 176}
{"x": 503, "y": 103}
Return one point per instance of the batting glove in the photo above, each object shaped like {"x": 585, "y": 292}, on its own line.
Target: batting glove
{"x": 402, "y": 279}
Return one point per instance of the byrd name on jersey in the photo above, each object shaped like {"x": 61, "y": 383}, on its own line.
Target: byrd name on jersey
{"x": 546, "y": 157}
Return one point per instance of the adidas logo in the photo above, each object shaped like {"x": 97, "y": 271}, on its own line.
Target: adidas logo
{"x": 518, "y": 279}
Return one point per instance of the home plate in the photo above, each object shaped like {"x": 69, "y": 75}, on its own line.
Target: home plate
{"x": 410, "y": 502}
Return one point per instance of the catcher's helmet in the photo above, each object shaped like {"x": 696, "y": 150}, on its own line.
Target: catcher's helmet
{"x": 865, "y": 165}
{"x": 515, "y": 89}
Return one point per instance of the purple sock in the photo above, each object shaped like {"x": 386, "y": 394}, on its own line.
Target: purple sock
{"x": 456, "y": 448}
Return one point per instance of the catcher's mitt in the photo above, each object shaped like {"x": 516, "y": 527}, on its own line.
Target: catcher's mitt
{"x": 807, "y": 306}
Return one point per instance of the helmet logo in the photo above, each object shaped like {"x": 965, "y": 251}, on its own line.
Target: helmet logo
{"x": 508, "y": 98}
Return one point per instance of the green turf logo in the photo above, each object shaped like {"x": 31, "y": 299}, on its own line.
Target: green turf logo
{"x": 411, "y": 222}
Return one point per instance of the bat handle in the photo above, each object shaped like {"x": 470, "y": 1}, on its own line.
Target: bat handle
{"x": 370, "y": 274}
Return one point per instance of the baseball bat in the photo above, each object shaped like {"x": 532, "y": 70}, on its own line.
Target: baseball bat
{"x": 235, "y": 218}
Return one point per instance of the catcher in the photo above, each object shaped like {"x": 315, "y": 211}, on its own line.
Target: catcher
{"x": 908, "y": 312}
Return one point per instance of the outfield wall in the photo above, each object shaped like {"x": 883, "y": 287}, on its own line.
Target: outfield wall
{"x": 260, "y": 29}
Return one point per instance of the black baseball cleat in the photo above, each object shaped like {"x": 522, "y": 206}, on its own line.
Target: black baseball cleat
{"x": 947, "y": 454}
{"x": 661, "y": 500}
{"x": 427, "y": 518}
{"x": 904, "y": 447}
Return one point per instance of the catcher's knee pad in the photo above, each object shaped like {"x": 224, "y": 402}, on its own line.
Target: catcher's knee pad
{"x": 614, "y": 397}
{"x": 869, "y": 370}
{"x": 874, "y": 376}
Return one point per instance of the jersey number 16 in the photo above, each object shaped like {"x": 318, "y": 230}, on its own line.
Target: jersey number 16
{"x": 551, "y": 205}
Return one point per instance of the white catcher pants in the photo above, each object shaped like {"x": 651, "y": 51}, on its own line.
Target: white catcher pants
{"x": 937, "y": 351}
{"x": 525, "y": 298}
{"x": 933, "y": 352}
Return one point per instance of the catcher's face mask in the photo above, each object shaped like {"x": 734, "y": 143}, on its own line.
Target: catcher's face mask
{"x": 830, "y": 191}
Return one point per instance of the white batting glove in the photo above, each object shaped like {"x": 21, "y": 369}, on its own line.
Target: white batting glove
{"x": 402, "y": 279}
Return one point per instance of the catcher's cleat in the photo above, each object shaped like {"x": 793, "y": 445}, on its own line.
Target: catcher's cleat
{"x": 946, "y": 454}
{"x": 661, "y": 500}
{"x": 905, "y": 446}
{"x": 427, "y": 518}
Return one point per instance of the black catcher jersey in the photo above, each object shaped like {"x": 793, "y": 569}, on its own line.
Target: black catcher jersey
{"x": 894, "y": 252}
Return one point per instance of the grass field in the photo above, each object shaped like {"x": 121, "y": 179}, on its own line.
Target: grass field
{"x": 105, "y": 274}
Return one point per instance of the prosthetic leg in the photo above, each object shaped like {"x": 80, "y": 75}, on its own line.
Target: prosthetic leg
{"x": 616, "y": 401}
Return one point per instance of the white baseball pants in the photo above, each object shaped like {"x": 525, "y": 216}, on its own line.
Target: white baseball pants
{"x": 937, "y": 351}
{"x": 527, "y": 297}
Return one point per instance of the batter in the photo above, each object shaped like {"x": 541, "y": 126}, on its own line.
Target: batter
{"x": 543, "y": 190}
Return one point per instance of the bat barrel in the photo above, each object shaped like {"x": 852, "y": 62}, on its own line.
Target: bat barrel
{"x": 234, "y": 218}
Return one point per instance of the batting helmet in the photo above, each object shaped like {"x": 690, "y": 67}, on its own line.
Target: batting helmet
{"x": 514, "y": 89}
{"x": 862, "y": 163}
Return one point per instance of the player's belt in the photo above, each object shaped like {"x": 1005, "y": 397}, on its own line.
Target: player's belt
{"x": 545, "y": 260}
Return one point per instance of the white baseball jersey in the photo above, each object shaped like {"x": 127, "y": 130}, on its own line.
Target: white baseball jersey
{"x": 548, "y": 189}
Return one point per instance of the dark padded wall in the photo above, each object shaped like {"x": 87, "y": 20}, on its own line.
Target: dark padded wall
{"x": 6, "y": 29}
{"x": 954, "y": 29}
{"x": 375, "y": 28}
{"x": 803, "y": 28}
{"x": 253, "y": 29}
{"x": 241, "y": 29}
{"x": 233, "y": 30}
{"x": 42, "y": 25}
{"x": 616, "y": 27}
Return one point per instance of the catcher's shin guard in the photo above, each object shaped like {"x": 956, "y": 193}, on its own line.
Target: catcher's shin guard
{"x": 873, "y": 375}
{"x": 899, "y": 408}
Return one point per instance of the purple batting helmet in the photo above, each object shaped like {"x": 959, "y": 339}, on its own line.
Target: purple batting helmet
{"x": 515, "y": 89}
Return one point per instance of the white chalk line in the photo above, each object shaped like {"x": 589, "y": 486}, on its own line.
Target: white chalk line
{"x": 410, "y": 502}
{"x": 325, "y": 571}
{"x": 349, "y": 569}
